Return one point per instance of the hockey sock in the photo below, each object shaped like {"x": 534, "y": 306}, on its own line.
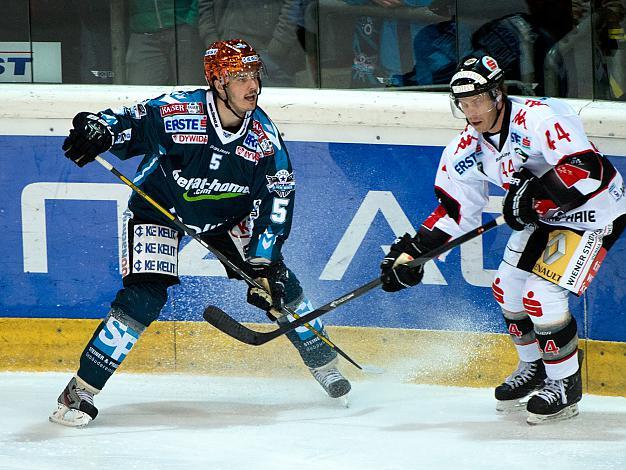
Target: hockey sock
{"x": 109, "y": 345}
{"x": 314, "y": 352}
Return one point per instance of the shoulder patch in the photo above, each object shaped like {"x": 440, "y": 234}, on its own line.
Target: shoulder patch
{"x": 264, "y": 141}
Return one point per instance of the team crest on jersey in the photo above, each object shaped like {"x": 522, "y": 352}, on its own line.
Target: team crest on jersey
{"x": 282, "y": 183}
{"x": 181, "y": 108}
{"x": 264, "y": 141}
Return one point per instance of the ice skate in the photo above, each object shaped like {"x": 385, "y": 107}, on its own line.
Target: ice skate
{"x": 331, "y": 380}
{"x": 556, "y": 401}
{"x": 513, "y": 393}
{"x": 75, "y": 406}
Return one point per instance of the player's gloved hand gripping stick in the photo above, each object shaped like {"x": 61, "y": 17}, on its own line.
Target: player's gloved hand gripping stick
{"x": 222, "y": 321}
{"x": 221, "y": 257}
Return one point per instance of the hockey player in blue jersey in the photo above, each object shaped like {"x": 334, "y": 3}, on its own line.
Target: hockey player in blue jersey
{"x": 217, "y": 161}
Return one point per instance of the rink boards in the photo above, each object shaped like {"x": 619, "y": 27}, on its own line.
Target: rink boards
{"x": 363, "y": 176}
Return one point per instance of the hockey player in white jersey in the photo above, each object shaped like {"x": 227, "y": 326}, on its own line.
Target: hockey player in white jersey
{"x": 566, "y": 204}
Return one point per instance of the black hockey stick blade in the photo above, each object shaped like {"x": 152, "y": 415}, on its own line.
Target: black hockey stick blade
{"x": 225, "y": 323}
{"x": 228, "y": 325}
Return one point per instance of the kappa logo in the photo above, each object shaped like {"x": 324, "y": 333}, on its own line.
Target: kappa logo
{"x": 532, "y": 103}
{"x": 465, "y": 142}
{"x": 282, "y": 183}
{"x": 520, "y": 118}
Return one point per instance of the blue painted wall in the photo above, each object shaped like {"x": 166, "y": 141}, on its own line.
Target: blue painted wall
{"x": 333, "y": 180}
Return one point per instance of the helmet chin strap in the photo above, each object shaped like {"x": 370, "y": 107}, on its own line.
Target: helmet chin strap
{"x": 227, "y": 103}
{"x": 498, "y": 111}
{"x": 227, "y": 100}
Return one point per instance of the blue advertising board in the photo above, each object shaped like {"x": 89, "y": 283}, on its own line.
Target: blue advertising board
{"x": 60, "y": 225}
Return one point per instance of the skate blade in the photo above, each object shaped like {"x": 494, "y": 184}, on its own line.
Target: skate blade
{"x": 372, "y": 369}
{"x": 566, "y": 413}
{"x": 344, "y": 400}
{"x": 512, "y": 406}
{"x": 69, "y": 417}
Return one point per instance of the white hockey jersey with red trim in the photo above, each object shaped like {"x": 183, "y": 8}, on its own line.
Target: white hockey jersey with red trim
{"x": 536, "y": 134}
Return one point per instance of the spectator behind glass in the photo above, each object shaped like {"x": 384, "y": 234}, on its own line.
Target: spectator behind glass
{"x": 435, "y": 48}
{"x": 520, "y": 41}
{"x": 609, "y": 49}
{"x": 270, "y": 25}
{"x": 164, "y": 46}
{"x": 85, "y": 36}
{"x": 382, "y": 45}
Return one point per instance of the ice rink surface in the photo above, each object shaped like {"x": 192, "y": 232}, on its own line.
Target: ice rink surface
{"x": 199, "y": 422}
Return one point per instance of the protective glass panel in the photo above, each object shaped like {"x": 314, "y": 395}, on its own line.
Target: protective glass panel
{"x": 276, "y": 29}
{"x": 387, "y": 44}
{"x": 543, "y": 46}
{"x": 563, "y": 48}
{"x": 609, "y": 49}
{"x": 15, "y": 49}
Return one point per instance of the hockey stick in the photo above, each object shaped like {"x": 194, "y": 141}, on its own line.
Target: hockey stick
{"x": 251, "y": 281}
{"x": 225, "y": 323}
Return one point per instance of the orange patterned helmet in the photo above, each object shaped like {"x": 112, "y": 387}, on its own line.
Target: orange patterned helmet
{"x": 224, "y": 59}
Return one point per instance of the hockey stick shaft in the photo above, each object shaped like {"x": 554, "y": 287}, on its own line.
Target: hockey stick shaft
{"x": 222, "y": 321}
{"x": 251, "y": 281}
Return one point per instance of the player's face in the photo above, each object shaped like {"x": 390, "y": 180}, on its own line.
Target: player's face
{"x": 480, "y": 111}
{"x": 243, "y": 90}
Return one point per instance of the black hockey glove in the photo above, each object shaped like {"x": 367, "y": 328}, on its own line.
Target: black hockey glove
{"x": 273, "y": 277}
{"x": 90, "y": 137}
{"x": 394, "y": 274}
{"x": 518, "y": 206}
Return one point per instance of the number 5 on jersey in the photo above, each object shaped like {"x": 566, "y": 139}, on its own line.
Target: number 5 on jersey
{"x": 279, "y": 211}
{"x": 216, "y": 159}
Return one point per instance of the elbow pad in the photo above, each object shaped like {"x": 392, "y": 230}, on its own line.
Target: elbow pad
{"x": 576, "y": 179}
